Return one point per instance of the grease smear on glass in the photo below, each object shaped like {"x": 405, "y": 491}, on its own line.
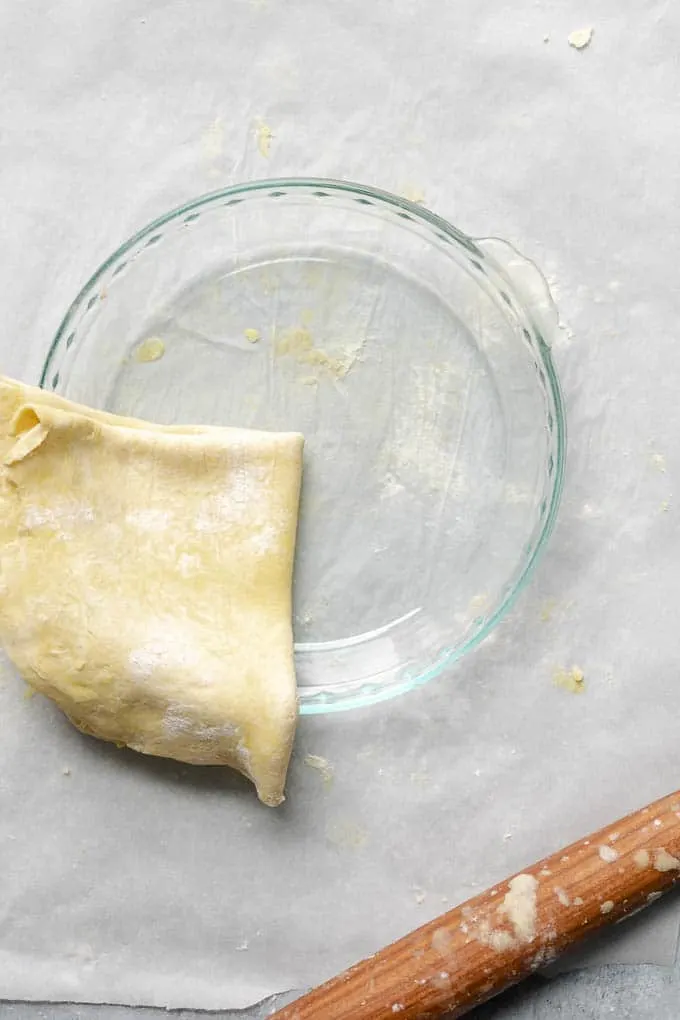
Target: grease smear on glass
{"x": 572, "y": 680}
{"x": 151, "y": 349}
{"x": 322, "y": 766}
{"x": 298, "y": 343}
{"x": 263, "y": 136}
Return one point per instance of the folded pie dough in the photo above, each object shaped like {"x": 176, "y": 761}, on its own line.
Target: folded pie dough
{"x": 145, "y": 579}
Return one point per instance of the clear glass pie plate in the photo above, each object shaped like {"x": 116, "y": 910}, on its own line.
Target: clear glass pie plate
{"x": 415, "y": 361}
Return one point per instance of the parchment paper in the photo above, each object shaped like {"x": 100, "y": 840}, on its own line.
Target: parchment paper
{"x": 139, "y": 881}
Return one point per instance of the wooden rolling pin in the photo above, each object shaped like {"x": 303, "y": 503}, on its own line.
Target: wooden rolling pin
{"x": 476, "y": 950}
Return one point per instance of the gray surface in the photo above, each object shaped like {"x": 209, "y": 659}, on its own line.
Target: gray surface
{"x": 107, "y": 121}
{"x": 624, "y": 992}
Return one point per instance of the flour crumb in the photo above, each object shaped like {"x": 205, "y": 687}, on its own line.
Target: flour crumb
{"x": 608, "y": 854}
{"x": 479, "y": 603}
{"x": 322, "y": 766}
{"x": 562, "y": 896}
{"x": 607, "y": 907}
{"x": 419, "y": 894}
{"x": 252, "y": 335}
{"x": 66, "y": 771}
{"x": 572, "y": 680}
{"x": 658, "y": 461}
{"x": 581, "y": 38}
{"x": 641, "y": 859}
{"x": 519, "y": 906}
{"x": 242, "y": 946}
{"x": 498, "y": 940}
{"x": 663, "y": 861}
{"x": 263, "y": 135}
{"x": 414, "y": 194}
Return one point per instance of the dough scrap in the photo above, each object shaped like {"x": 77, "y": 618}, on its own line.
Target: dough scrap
{"x": 581, "y": 38}
{"x": 145, "y": 579}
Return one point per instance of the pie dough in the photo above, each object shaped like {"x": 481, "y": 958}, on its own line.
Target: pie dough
{"x": 145, "y": 579}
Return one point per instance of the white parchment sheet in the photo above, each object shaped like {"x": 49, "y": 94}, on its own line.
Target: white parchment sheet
{"x": 140, "y": 881}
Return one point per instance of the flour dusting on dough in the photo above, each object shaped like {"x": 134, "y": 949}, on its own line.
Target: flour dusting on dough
{"x": 265, "y": 540}
{"x": 238, "y": 502}
{"x": 188, "y": 564}
{"x": 176, "y": 723}
{"x": 61, "y": 517}
{"x": 149, "y": 519}
{"x": 165, "y": 649}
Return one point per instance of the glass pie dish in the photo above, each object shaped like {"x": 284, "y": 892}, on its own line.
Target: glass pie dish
{"x": 414, "y": 359}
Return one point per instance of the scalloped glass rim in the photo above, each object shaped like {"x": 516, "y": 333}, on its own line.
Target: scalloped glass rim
{"x": 311, "y": 702}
